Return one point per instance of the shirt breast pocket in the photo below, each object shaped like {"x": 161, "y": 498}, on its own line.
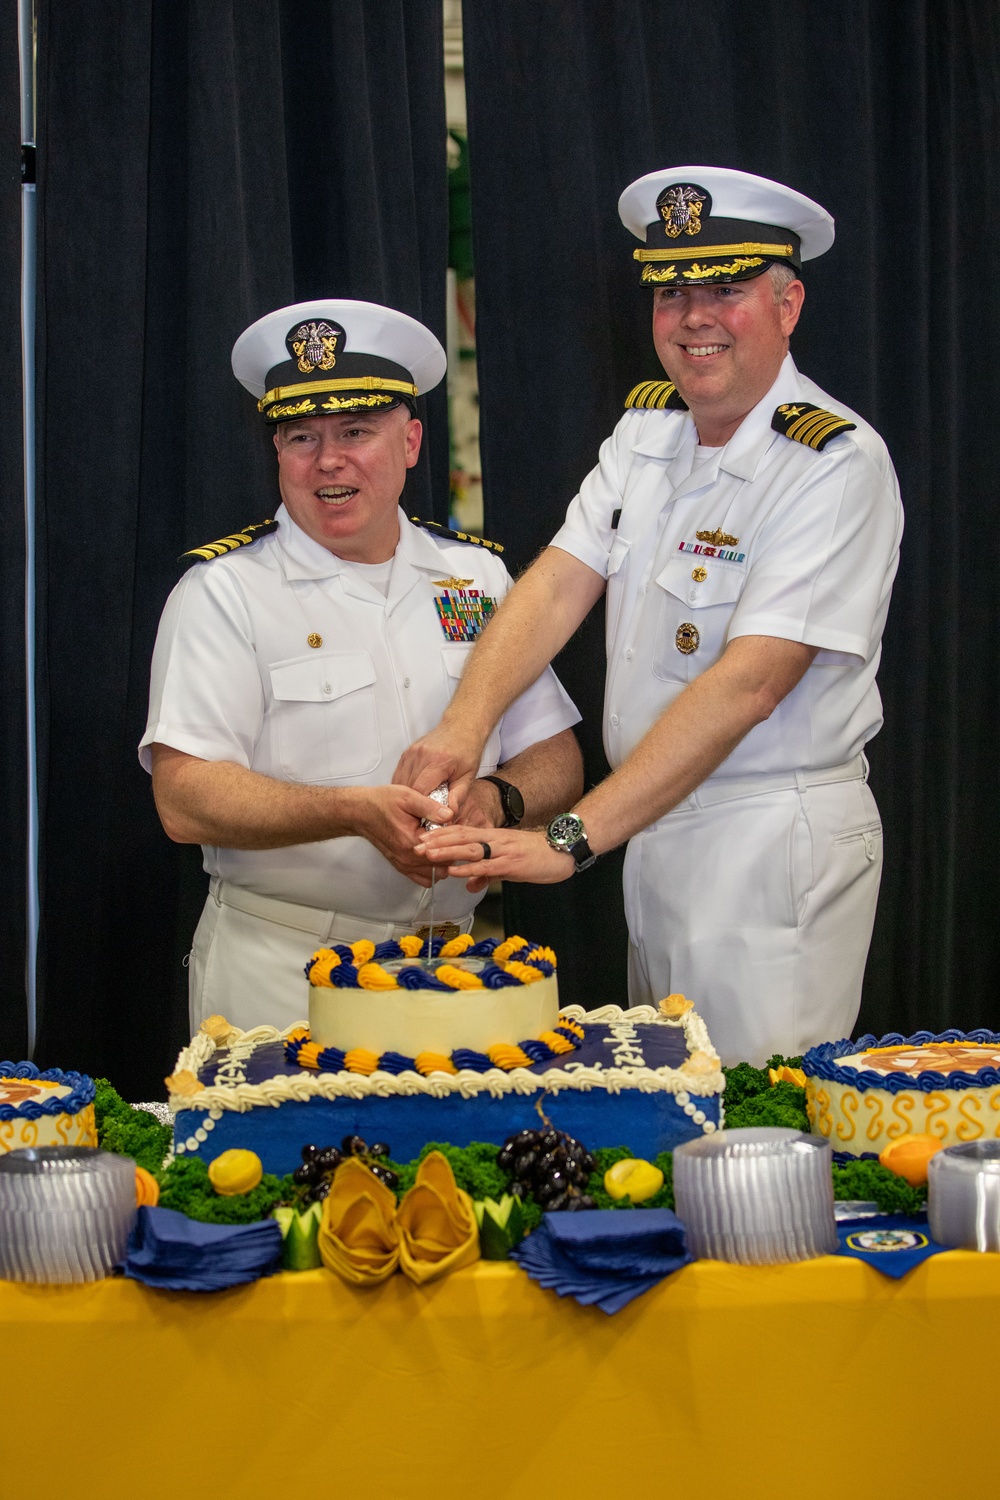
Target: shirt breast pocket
{"x": 692, "y": 621}
{"x": 326, "y": 717}
{"x": 455, "y": 658}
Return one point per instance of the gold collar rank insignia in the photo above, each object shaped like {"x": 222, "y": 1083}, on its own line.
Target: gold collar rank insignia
{"x": 718, "y": 538}
{"x": 452, "y": 583}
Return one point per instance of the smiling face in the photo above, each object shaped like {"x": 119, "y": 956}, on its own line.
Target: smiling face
{"x": 722, "y": 346}
{"x": 341, "y": 478}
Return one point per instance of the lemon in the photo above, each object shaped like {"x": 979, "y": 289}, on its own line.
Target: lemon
{"x": 633, "y": 1179}
{"x": 235, "y": 1172}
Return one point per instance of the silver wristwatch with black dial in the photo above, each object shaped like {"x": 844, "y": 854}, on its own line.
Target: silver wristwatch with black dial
{"x": 567, "y": 834}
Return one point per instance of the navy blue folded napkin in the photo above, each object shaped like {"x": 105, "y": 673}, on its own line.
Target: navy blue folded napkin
{"x": 892, "y": 1243}
{"x": 604, "y": 1257}
{"x": 166, "y": 1249}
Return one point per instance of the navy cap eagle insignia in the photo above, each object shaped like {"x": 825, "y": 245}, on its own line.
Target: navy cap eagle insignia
{"x": 314, "y": 345}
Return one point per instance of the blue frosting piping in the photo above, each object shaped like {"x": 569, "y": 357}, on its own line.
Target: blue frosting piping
{"x": 476, "y": 1062}
{"x": 822, "y": 1062}
{"x": 81, "y": 1092}
{"x": 395, "y": 1063}
{"x": 344, "y": 977}
{"x": 419, "y": 979}
{"x": 495, "y": 978}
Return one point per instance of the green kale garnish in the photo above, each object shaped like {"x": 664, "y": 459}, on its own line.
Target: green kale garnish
{"x": 128, "y": 1131}
{"x": 870, "y": 1182}
{"x": 475, "y": 1168}
{"x": 185, "y": 1186}
{"x": 784, "y": 1104}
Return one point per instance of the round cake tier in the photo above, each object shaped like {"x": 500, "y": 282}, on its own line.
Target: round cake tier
{"x": 415, "y": 1021}
{"x": 865, "y": 1096}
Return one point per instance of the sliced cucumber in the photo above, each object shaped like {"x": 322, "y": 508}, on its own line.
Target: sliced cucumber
{"x": 501, "y": 1226}
{"x": 300, "y": 1237}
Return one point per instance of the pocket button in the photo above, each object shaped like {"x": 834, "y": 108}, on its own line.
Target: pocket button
{"x": 328, "y": 688}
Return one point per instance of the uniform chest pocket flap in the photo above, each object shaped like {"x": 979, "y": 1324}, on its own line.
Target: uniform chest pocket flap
{"x": 325, "y": 715}
{"x": 687, "y": 599}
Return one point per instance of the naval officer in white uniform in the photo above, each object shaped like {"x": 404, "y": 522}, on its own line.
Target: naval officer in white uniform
{"x": 296, "y": 661}
{"x": 745, "y": 527}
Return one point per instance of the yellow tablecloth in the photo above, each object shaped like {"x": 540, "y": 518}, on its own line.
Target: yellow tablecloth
{"x": 818, "y": 1378}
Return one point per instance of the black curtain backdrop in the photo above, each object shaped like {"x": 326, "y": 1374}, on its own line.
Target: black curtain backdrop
{"x": 199, "y": 165}
{"x": 13, "y": 826}
{"x": 889, "y": 115}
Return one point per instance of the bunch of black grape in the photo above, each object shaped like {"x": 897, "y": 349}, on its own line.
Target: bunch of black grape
{"x": 319, "y": 1163}
{"x": 549, "y": 1166}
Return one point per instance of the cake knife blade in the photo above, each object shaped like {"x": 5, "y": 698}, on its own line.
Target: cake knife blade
{"x": 439, "y": 794}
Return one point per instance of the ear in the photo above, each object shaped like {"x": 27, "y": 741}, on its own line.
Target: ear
{"x": 791, "y": 306}
{"x": 412, "y": 439}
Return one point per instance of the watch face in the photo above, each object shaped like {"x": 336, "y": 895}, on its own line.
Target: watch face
{"x": 513, "y": 802}
{"x": 565, "y": 830}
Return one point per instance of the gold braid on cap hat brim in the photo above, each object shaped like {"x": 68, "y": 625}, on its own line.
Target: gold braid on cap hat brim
{"x": 700, "y": 252}
{"x": 318, "y": 387}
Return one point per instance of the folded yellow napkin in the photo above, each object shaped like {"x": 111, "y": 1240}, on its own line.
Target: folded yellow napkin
{"x": 437, "y": 1226}
{"x": 358, "y": 1237}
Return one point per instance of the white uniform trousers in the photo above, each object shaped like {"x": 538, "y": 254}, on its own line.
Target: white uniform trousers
{"x": 756, "y": 899}
{"x": 249, "y": 955}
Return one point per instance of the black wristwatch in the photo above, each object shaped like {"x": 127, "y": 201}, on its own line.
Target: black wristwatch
{"x": 510, "y": 800}
{"x": 567, "y": 834}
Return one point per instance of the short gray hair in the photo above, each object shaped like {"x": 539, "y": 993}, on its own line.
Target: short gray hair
{"x": 781, "y": 276}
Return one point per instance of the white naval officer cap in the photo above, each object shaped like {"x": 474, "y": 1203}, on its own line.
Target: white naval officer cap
{"x": 336, "y": 355}
{"x": 707, "y": 225}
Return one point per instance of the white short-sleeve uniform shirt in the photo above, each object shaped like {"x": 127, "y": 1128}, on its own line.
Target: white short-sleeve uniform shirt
{"x": 760, "y": 908}
{"x": 235, "y": 678}
{"x": 814, "y": 553}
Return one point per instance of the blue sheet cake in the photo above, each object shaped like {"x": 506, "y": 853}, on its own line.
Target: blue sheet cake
{"x": 865, "y": 1095}
{"x": 454, "y": 1043}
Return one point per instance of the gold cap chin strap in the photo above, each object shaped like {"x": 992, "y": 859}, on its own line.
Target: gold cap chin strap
{"x": 319, "y": 387}
{"x": 709, "y": 252}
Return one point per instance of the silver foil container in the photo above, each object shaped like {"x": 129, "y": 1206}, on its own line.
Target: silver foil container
{"x": 65, "y": 1213}
{"x": 756, "y": 1197}
{"x": 963, "y": 1196}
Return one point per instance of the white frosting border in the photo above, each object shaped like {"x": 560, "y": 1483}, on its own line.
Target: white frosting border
{"x": 241, "y": 1097}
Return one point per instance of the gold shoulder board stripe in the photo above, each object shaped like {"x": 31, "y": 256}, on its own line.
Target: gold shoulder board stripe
{"x": 231, "y": 543}
{"x": 654, "y": 395}
{"x": 456, "y": 536}
{"x": 808, "y": 424}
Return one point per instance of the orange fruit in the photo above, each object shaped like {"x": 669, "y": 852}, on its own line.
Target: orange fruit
{"x": 908, "y": 1157}
{"x": 147, "y": 1189}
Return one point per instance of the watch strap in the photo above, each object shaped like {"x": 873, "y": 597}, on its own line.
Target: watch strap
{"x": 510, "y": 818}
